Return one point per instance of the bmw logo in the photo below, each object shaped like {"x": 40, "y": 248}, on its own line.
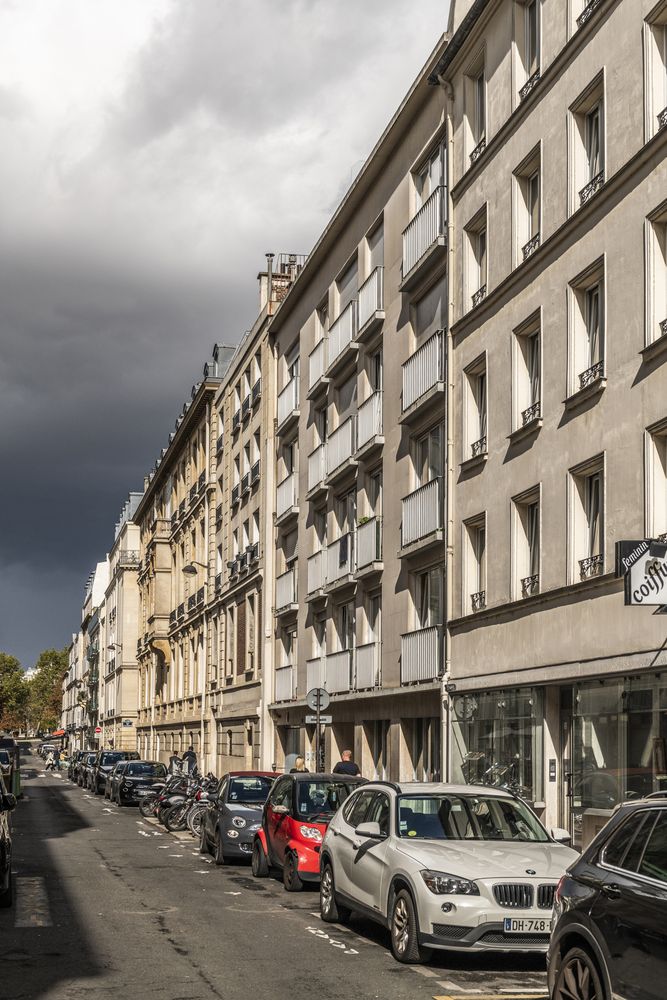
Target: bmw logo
{"x": 530, "y": 871}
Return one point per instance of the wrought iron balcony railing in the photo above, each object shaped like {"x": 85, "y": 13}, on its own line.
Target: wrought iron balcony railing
{"x": 478, "y": 448}
{"x": 478, "y": 150}
{"x": 256, "y": 391}
{"x": 588, "y": 12}
{"x": 530, "y": 585}
{"x": 479, "y": 296}
{"x": 478, "y": 600}
{"x": 662, "y": 118}
{"x": 236, "y": 420}
{"x": 590, "y": 566}
{"x": 219, "y": 443}
{"x": 245, "y": 407}
{"x": 236, "y": 494}
{"x": 663, "y": 327}
{"x": 532, "y": 412}
{"x": 591, "y": 375}
{"x": 529, "y": 85}
{"x": 531, "y": 246}
{"x": 591, "y": 188}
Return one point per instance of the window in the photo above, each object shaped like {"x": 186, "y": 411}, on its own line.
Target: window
{"x": 527, "y": 374}
{"x": 618, "y": 844}
{"x": 528, "y": 208}
{"x": 429, "y": 598}
{"x": 429, "y": 177}
{"x": 475, "y": 102}
{"x": 375, "y": 247}
{"x": 346, "y": 286}
{"x": 654, "y": 861}
{"x": 475, "y": 564}
{"x": 429, "y": 313}
{"x": 655, "y": 69}
{"x": 587, "y": 144}
{"x": 532, "y": 37}
{"x": 476, "y": 276}
{"x": 587, "y": 330}
{"x": 475, "y": 410}
{"x": 587, "y": 520}
{"x": 345, "y": 626}
{"x": 428, "y": 456}
{"x": 655, "y": 236}
{"x": 526, "y": 547}
{"x": 374, "y": 492}
{"x": 375, "y": 371}
{"x": 656, "y": 481}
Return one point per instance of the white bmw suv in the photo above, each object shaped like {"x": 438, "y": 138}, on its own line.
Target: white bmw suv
{"x": 459, "y": 867}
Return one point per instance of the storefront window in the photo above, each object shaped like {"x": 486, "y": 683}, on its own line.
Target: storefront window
{"x": 497, "y": 740}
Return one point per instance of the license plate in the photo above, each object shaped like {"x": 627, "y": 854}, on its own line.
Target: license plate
{"x": 143, "y": 791}
{"x": 526, "y": 925}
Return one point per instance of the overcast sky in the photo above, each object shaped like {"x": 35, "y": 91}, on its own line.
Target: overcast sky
{"x": 152, "y": 151}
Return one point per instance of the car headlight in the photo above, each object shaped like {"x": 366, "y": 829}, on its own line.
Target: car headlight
{"x": 443, "y": 884}
{"x": 311, "y": 833}
{"x": 239, "y": 822}
{"x": 233, "y": 834}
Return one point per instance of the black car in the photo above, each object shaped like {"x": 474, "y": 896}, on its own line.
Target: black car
{"x": 105, "y": 761}
{"x": 86, "y": 766}
{"x": 609, "y": 937}
{"x": 7, "y": 803}
{"x": 132, "y": 779}
{"x": 234, "y": 814}
{"x": 73, "y": 764}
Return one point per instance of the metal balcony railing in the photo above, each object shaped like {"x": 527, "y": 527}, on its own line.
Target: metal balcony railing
{"x": 218, "y": 514}
{"x": 478, "y": 447}
{"x": 422, "y": 512}
{"x": 288, "y": 401}
{"x": 316, "y": 466}
{"x": 531, "y": 246}
{"x": 315, "y": 670}
{"x": 371, "y": 296}
{"x": 340, "y": 557}
{"x": 254, "y": 473}
{"x": 663, "y": 327}
{"x": 172, "y": 617}
{"x": 367, "y": 666}
{"x": 662, "y": 118}
{"x": 218, "y": 582}
{"x": 286, "y": 589}
{"x": 588, "y": 12}
{"x": 427, "y": 226}
{"x": 236, "y": 494}
{"x": 529, "y": 85}
{"x": 128, "y": 557}
{"x": 369, "y": 419}
{"x": 192, "y": 493}
{"x": 192, "y": 601}
{"x": 200, "y": 596}
{"x": 591, "y": 188}
{"x": 286, "y": 494}
{"x": 478, "y": 600}
{"x": 479, "y": 295}
{"x": 245, "y": 483}
{"x": 316, "y": 571}
{"x": 532, "y": 412}
{"x": 180, "y": 611}
{"x": 342, "y": 332}
{"x": 236, "y": 420}
{"x": 245, "y": 407}
{"x": 591, "y": 375}
{"x": 317, "y": 362}
{"x": 530, "y": 585}
{"x": 285, "y": 683}
{"x": 421, "y": 655}
{"x": 338, "y": 671}
{"x": 424, "y": 369}
{"x": 341, "y": 444}
{"x": 369, "y": 542}
{"x": 256, "y": 391}
{"x": 201, "y": 481}
{"x": 590, "y": 566}
{"x": 478, "y": 150}
{"x": 219, "y": 443}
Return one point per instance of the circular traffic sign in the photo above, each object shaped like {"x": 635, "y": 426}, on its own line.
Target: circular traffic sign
{"x": 98, "y": 729}
{"x": 315, "y": 695}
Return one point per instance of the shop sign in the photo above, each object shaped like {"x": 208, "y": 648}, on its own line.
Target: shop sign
{"x": 643, "y": 565}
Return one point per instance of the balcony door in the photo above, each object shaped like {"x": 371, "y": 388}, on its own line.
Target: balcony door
{"x": 430, "y": 176}
{"x": 428, "y": 459}
{"x": 429, "y": 598}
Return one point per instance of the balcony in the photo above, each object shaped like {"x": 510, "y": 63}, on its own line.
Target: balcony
{"x": 479, "y": 295}
{"x": 341, "y": 340}
{"x": 252, "y": 553}
{"x": 316, "y": 472}
{"x": 588, "y": 12}
{"x": 422, "y": 520}
{"x": 192, "y": 601}
{"x": 662, "y": 118}
{"x": 478, "y": 600}
{"x": 286, "y": 499}
{"x": 219, "y": 443}
{"x": 316, "y": 574}
{"x": 201, "y": 482}
{"x": 592, "y": 375}
{"x": 181, "y": 508}
{"x": 478, "y": 150}
{"x": 173, "y": 522}
{"x": 317, "y": 362}
{"x": 285, "y": 683}
{"x": 172, "y": 617}
{"x": 245, "y": 484}
{"x": 367, "y": 666}
{"x": 200, "y": 596}
{"x": 341, "y": 446}
{"x": 591, "y": 188}
{"x": 218, "y": 582}
{"x": 530, "y": 585}
{"x": 423, "y": 377}
{"x": 531, "y": 413}
{"x": 340, "y": 561}
{"x": 218, "y": 514}
{"x": 180, "y": 612}
{"x": 590, "y": 566}
{"x": 369, "y": 426}
{"x": 129, "y": 557}
{"x": 254, "y": 473}
{"x": 529, "y": 85}
{"x": 286, "y": 592}
{"x": 236, "y": 494}
{"x": 288, "y": 405}
{"x": 241, "y": 562}
{"x": 369, "y": 546}
{"x": 256, "y": 391}
{"x": 314, "y": 673}
{"x": 371, "y": 304}
{"x": 421, "y": 655}
{"x": 425, "y": 238}
{"x": 236, "y": 420}
{"x": 245, "y": 408}
{"x": 530, "y": 247}
{"x": 338, "y": 671}
{"x": 479, "y": 448}
{"x": 192, "y": 492}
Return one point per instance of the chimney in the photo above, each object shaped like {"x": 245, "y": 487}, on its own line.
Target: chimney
{"x": 266, "y": 282}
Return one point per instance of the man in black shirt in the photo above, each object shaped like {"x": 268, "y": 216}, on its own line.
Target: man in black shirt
{"x": 346, "y": 765}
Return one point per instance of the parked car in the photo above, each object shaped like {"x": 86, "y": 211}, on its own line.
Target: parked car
{"x": 233, "y": 815}
{"x": 294, "y": 821}
{"x": 6, "y": 766}
{"x": 86, "y": 769}
{"x": 44, "y": 749}
{"x": 609, "y": 937}
{"x": 73, "y": 764}
{"x": 105, "y": 761}
{"x": 132, "y": 779}
{"x": 452, "y": 867}
{"x": 7, "y": 803}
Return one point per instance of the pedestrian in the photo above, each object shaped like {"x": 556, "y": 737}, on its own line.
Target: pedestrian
{"x": 346, "y": 765}
{"x": 50, "y": 761}
{"x": 190, "y": 760}
{"x": 175, "y": 764}
{"x": 299, "y": 766}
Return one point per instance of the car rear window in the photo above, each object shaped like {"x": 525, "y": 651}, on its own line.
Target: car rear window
{"x": 147, "y": 770}
{"x": 251, "y": 789}
{"x": 112, "y": 757}
{"x": 617, "y": 847}
{"x": 654, "y": 861}
{"x": 321, "y": 799}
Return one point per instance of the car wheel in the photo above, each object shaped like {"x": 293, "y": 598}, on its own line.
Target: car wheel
{"x": 331, "y": 911}
{"x": 578, "y": 978}
{"x": 291, "y": 878}
{"x": 218, "y": 853}
{"x": 6, "y": 896}
{"x": 259, "y": 863}
{"x": 203, "y": 841}
{"x": 405, "y": 944}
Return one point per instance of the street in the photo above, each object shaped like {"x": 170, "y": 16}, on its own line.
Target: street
{"x": 107, "y": 903}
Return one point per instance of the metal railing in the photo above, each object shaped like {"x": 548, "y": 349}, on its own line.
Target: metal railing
{"x": 478, "y": 447}
{"x": 315, "y": 673}
{"x": 180, "y": 611}
{"x": 252, "y": 552}
{"x": 317, "y": 362}
{"x": 219, "y": 443}
{"x": 288, "y": 401}
{"x": 478, "y": 600}
{"x": 591, "y": 375}
{"x": 663, "y": 327}
{"x": 236, "y": 420}
{"x": 285, "y": 683}
{"x": 316, "y": 466}
{"x": 532, "y": 412}
{"x": 529, "y": 85}
{"x": 479, "y": 295}
{"x": 201, "y": 481}
{"x": 422, "y": 512}
{"x": 256, "y": 390}
{"x": 531, "y": 246}
{"x": 421, "y": 655}
{"x": 369, "y": 542}
{"x": 530, "y": 585}
{"x": 590, "y": 566}
{"x": 286, "y": 494}
{"x": 340, "y": 557}
{"x": 341, "y": 444}
{"x": 591, "y": 188}
{"x": 286, "y": 588}
{"x": 128, "y": 557}
{"x": 588, "y": 12}
{"x": 427, "y": 226}
{"x": 245, "y": 483}
{"x": 478, "y": 150}
{"x": 338, "y": 671}
{"x": 316, "y": 571}
{"x": 342, "y": 332}
{"x": 367, "y": 666}
{"x": 424, "y": 369}
{"x": 662, "y": 118}
{"x": 369, "y": 419}
{"x": 245, "y": 407}
{"x": 254, "y": 472}
{"x": 371, "y": 296}
{"x": 236, "y": 494}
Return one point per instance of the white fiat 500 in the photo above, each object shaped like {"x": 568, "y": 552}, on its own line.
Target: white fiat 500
{"x": 460, "y": 867}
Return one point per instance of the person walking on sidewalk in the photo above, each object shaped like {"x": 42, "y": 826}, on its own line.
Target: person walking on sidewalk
{"x": 346, "y": 765}
{"x": 50, "y": 761}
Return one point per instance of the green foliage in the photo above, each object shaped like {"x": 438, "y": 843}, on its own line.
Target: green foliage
{"x": 34, "y": 703}
{"x": 13, "y": 692}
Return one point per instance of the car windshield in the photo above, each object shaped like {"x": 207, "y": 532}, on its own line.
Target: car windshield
{"x": 467, "y": 817}
{"x": 4, "y": 757}
{"x": 316, "y": 799}
{"x": 90, "y": 759}
{"x": 247, "y": 790}
{"x": 147, "y": 770}
{"x": 111, "y": 758}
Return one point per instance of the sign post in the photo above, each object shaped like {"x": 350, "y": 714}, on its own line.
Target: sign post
{"x": 318, "y": 700}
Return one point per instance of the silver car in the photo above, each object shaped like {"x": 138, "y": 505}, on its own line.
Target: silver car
{"x": 458, "y": 867}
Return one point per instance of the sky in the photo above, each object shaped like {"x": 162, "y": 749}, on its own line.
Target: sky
{"x": 152, "y": 152}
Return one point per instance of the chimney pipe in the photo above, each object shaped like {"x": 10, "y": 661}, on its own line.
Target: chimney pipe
{"x": 269, "y": 278}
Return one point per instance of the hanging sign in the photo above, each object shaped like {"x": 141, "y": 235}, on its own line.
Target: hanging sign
{"x": 643, "y": 565}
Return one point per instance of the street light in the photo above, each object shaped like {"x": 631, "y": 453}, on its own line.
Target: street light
{"x": 114, "y": 645}
{"x": 190, "y": 569}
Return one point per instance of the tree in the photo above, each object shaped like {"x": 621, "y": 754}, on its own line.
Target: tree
{"x": 13, "y": 693}
{"x": 45, "y": 689}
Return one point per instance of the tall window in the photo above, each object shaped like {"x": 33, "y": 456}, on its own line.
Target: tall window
{"x": 593, "y": 331}
{"x": 479, "y": 128}
{"x": 475, "y": 564}
{"x": 656, "y": 481}
{"x": 594, "y": 513}
{"x": 429, "y": 177}
{"x": 476, "y": 409}
{"x": 480, "y": 258}
{"x": 526, "y": 527}
{"x": 586, "y": 517}
{"x": 532, "y": 30}
{"x": 586, "y": 332}
{"x": 345, "y": 625}
{"x": 429, "y": 456}
{"x": 594, "y": 141}
{"x": 429, "y": 598}
{"x": 586, "y": 133}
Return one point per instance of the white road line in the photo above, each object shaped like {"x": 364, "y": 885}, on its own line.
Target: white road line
{"x": 32, "y": 903}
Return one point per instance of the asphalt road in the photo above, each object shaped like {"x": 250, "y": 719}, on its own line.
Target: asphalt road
{"x": 109, "y": 905}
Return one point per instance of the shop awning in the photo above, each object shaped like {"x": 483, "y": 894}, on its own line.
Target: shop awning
{"x": 59, "y": 732}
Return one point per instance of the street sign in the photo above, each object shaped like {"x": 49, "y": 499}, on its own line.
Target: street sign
{"x": 127, "y": 723}
{"x": 643, "y": 565}
{"x": 98, "y": 729}
{"x": 325, "y": 720}
{"x": 318, "y": 698}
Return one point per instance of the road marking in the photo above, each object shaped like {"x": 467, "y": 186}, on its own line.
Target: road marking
{"x": 32, "y": 903}
{"x": 174, "y": 855}
{"x": 474, "y": 995}
{"x": 334, "y": 942}
{"x": 142, "y": 833}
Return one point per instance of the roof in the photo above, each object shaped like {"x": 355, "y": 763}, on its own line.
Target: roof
{"x": 442, "y": 788}
{"x": 251, "y": 774}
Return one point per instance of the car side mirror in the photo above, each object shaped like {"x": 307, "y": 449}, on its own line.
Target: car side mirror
{"x": 369, "y": 831}
{"x": 561, "y": 836}
{"x": 7, "y": 802}
{"x": 280, "y": 810}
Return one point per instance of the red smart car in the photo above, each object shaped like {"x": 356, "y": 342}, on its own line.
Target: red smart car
{"x": 294, "y": 821}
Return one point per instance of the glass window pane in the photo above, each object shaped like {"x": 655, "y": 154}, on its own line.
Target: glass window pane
{"x": 654, "y": 862}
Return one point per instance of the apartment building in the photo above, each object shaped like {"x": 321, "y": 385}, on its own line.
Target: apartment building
{"x": 92, "y": 641}
{"x": 119, "y": 694}
{"x": 73, "y": 694}
{"x": 558, "y": 186}
{"x": 176, "y": 522}
{"x": 360, "y": 344}
{"x": 241, "y": 608}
